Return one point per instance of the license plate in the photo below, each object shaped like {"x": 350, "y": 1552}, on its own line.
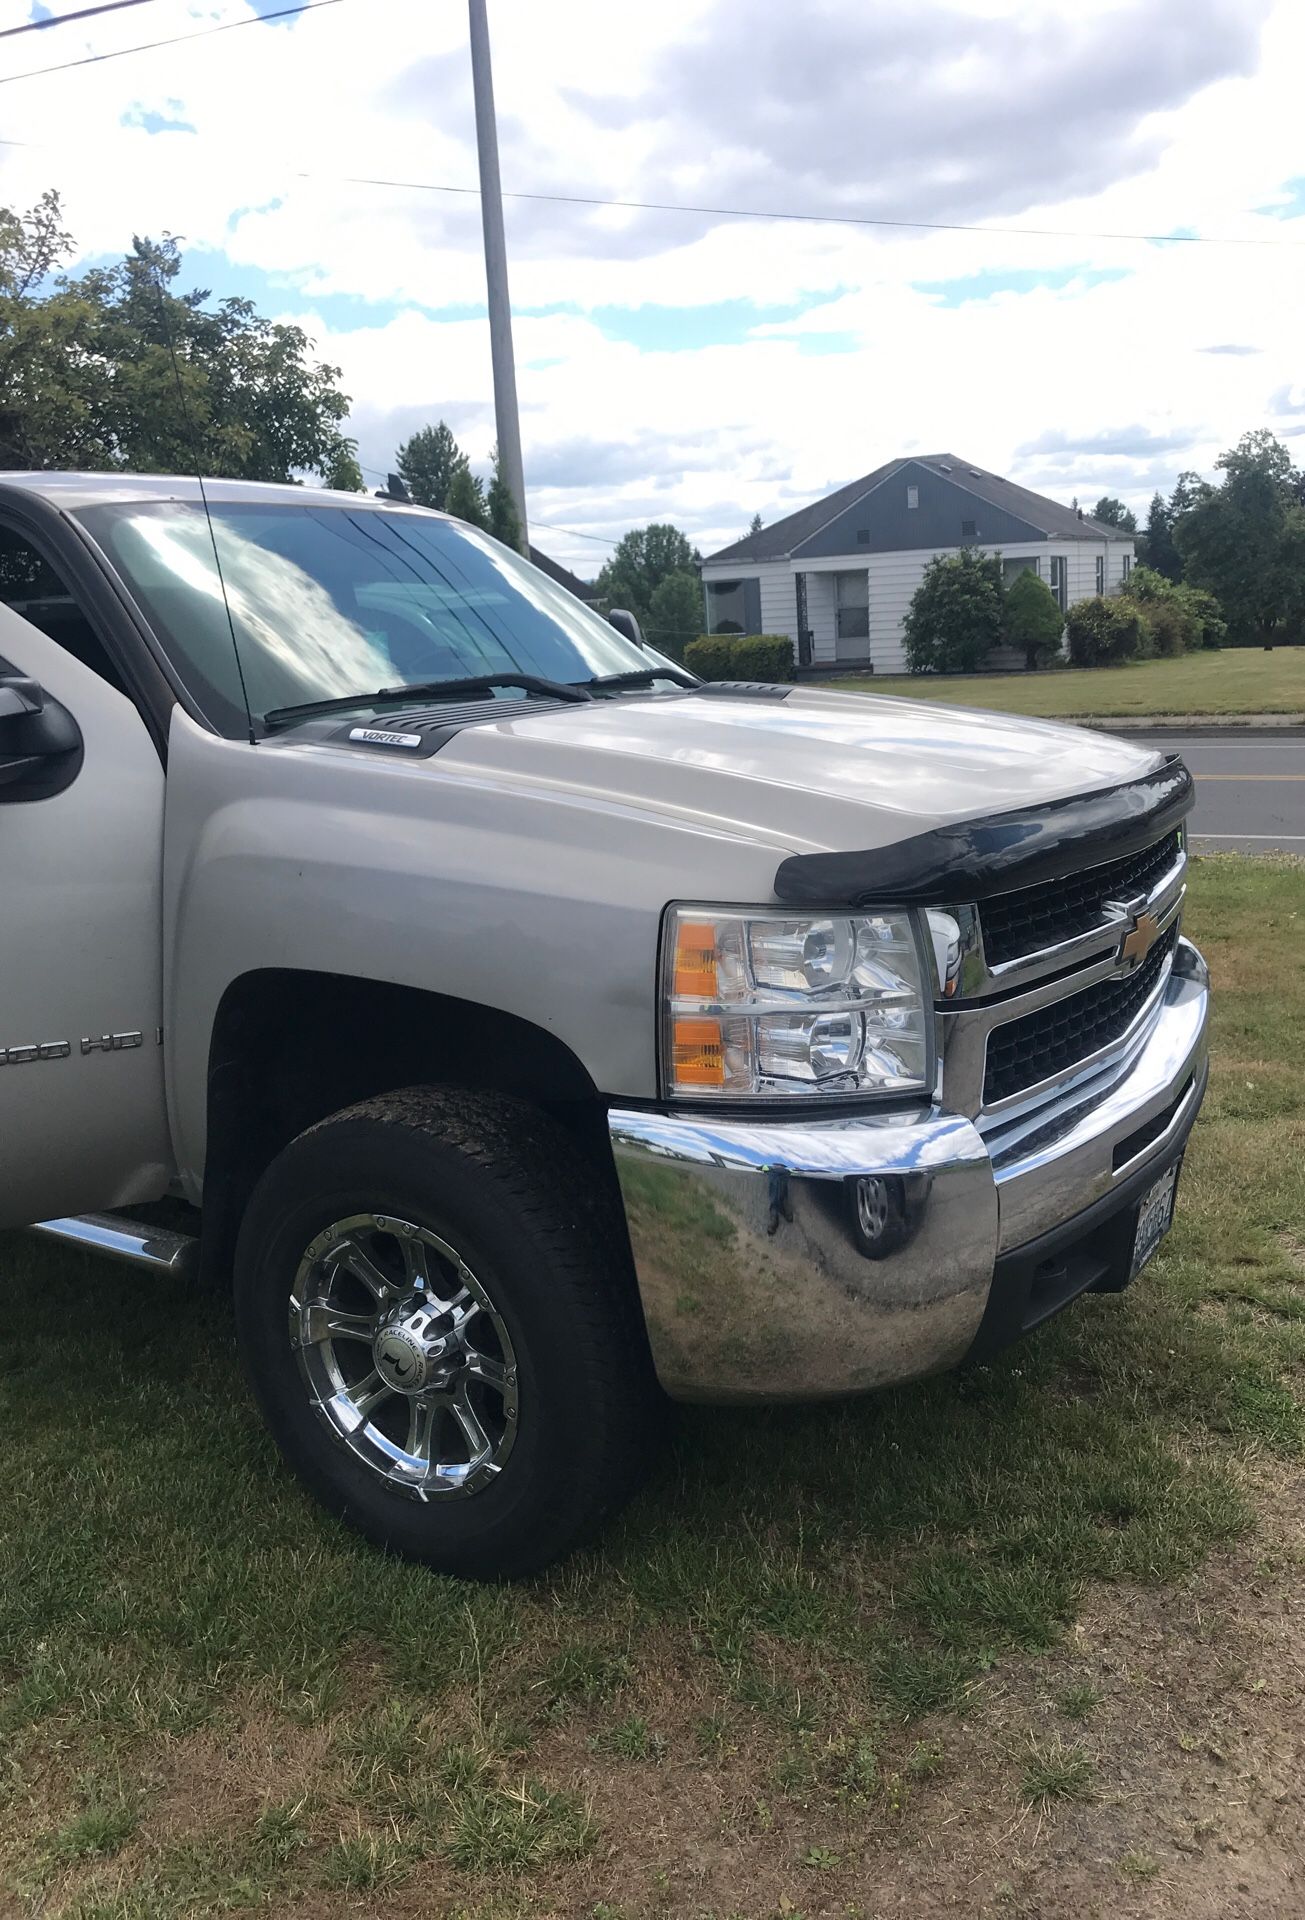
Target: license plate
{"x": 1155, "y": 1216}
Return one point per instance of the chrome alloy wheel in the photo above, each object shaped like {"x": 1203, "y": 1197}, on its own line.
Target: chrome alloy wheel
{"x": 404, "y": 1356}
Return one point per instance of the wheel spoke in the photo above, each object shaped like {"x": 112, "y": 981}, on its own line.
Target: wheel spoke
{"x": 318, "y": 1321}
{"x": 478, "y": 1441}
{"x": 415, "y": 1267}
{"x": 361, "y": 1265}
{"x": 368, "y": 1394}
{"x": 490, "y": 1372}
{"x": 421, "y": 1429}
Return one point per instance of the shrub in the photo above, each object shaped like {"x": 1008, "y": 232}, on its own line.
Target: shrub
{"x": 1165, "y": 629}
{"x": 957, "y": 614}
{"x": 1103, "y": 633}
{"x": 1034, "y": 621}
{"x": 751, "y": 656}
{"x": 1177, "y": 617}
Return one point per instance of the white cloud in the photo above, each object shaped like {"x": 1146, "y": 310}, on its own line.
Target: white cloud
{"x": 1153, "y": 117}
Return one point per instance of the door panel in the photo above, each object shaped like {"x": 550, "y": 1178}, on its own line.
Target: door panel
{"x": 82, "y": 1115}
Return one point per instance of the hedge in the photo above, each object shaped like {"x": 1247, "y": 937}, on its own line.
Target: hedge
{"x": 748, "y": 656}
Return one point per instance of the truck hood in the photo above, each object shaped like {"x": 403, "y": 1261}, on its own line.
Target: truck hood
{"x": 812, "y": 771}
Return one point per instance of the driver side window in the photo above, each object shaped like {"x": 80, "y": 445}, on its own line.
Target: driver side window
{"x": 33, "y": 588}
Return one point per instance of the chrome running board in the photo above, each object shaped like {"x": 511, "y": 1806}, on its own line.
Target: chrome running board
{"x": 119, "y": 1238}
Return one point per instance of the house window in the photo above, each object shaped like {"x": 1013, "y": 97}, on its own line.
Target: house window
{"x": 1060, "y": 580}
{"x": 912, "y": 497}
{"x": 1101, "y": 573}
{"x": 733, "y": 606}
{"x": 969, "y": 529}
{"x": 851, "y": 616}
{"x": 1012, "y": 569}
{"x": 1128, "y": 564}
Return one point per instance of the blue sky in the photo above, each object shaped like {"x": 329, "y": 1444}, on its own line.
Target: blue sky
{"x": 704, "y": 366}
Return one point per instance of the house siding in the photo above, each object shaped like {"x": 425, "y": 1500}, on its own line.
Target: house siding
{"x": 893, "y": 578}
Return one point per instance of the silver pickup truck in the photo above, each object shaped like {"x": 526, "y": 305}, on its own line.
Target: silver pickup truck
{"x": 540, "y": 1032}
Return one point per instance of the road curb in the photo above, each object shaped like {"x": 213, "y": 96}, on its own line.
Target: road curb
{"x": 1224, "y": 723}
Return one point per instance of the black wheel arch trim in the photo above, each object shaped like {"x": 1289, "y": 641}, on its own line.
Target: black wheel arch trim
{"x": 974, "y": 859}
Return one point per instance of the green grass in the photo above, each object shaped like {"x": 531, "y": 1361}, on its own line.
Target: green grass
{"x": 1232, "y": 681}
{"x": 1057, "y": 1772}
{"x": 212, "y": 1695}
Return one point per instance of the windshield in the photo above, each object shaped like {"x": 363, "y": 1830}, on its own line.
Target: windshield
{"x": 329, "y": 601}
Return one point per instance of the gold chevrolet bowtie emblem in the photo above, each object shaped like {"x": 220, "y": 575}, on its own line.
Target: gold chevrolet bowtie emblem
{"x": 1140, "y": 938}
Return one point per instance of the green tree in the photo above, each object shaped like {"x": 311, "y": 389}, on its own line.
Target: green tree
{"x": 957, "y": 614}
{"x": 465, "y": 499}
{"x": 501, "y": 508}
{"x": 1033, "y": 619}
{"x": 114, "y": 370}
{"x": 755, "y": 524}
{"x": 644, "y": 557}
{"x": 344, "y": 473}
{"x": 1113, "y": 513}
{"x": 1158, "y": 549}
{"x": 1245, "y": 541}
{"x": 675, "y": 613}
{"x": 427, "y": 462}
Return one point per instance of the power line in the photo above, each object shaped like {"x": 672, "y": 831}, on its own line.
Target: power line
{"x": 815, "y": 219}
{"x": 600, "y": 538}
{"x": 62, "y": 19}
{"x": 175, "y": 40}
{"x": 724, "y": 213}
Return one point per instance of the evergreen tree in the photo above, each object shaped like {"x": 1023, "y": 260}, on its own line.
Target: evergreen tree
{"x": 465, "y": 498}
{"x": 501, "y": 508}
{"x": 427, "y": 463}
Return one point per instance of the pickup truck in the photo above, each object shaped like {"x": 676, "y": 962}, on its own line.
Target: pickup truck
{"x": 530, "y": 1033}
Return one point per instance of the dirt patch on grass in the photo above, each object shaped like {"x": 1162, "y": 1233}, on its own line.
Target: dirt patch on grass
{"x": 1151, "y": 1766}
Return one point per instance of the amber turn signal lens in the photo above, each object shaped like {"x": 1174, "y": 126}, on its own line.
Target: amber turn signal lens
{"x": 695, "y": 960}
{"x": 697, "y": 1054}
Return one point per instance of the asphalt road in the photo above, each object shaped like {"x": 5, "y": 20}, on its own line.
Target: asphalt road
{"x": 1250, "y": 793}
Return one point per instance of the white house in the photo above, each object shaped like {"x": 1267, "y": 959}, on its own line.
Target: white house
{"x": 837, "y": 577}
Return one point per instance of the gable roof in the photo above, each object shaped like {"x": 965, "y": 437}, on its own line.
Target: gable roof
{"x": 784, "y": 537}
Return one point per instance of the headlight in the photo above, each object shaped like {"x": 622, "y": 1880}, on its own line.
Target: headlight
{"x": 756, "y": 1006}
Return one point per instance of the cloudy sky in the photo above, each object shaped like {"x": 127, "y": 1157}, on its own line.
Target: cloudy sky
{"x": 698, "y": 366}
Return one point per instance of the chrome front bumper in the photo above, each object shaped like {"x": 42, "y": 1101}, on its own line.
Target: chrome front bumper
{"x": 803, "y": 1260}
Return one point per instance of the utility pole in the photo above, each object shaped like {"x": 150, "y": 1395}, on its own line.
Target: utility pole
{"x": 496, "y": 277}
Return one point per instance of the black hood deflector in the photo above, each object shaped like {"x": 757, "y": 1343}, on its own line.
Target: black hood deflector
{"x": 973, "y": 859}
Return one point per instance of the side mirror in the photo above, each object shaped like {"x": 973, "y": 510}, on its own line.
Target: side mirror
{"x": 40, "y": 742}
{"x": 19, "y": 696}
{"x": 626, "y": 624}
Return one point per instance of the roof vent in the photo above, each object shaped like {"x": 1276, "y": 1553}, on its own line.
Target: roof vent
{"x": 975, "y": 474}
{"x": 943, "y": 467}
{"x": 969, "y": 530}
{"x": 863, "y": 536}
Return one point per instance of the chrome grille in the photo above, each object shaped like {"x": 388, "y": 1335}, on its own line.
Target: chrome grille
{"x": 1035, "y": 918}
{"x": 1023, "y": 1053}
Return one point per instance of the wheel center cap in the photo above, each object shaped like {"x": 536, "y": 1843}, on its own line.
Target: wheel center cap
{"x": 403, "y": 1361}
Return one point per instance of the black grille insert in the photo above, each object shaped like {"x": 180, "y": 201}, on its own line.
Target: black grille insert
{"x": 1055, "y": 1038}
{"x": 1016, "y": 924}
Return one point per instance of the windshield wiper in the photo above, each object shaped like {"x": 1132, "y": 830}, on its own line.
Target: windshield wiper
{"x": 430, "y": 690}
{"x": 644, "y": 677}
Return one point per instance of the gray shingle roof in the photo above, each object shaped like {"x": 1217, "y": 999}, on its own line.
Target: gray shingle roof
{"x": 783, "y": 537}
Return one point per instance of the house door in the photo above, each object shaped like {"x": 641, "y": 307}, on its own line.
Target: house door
{"x": 852, "y": 616}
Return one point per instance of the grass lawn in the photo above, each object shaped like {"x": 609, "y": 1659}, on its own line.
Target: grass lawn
{"x": 1234, "y": 680}
{"x": 1023, "y": 1641}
